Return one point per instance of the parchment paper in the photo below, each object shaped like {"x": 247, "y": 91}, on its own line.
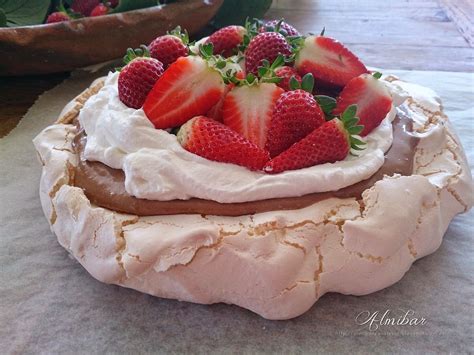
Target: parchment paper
{"x": 50, "y": 304}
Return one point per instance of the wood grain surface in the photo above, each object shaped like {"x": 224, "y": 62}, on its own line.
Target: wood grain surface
{"x": 401, "y": 34}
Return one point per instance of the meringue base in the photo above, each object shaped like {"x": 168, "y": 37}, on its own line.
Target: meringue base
{"x": 276, "y": 264}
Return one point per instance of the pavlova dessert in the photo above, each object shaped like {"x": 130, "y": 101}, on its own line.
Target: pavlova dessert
{"x": 256, "y": 167}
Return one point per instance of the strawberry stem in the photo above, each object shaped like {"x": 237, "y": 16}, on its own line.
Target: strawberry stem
{"x": 327, "y": 104}
{"x": 182, "y": 35}
{"x": 350, "y": 122}
{"x": 136, "y": 53}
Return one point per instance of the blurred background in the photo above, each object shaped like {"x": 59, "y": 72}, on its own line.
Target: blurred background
{"x": 402, "y": 34}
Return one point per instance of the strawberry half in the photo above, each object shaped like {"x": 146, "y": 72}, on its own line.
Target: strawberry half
{"x": 265, "y": 46}
{"x": 170, "y": 47}
{"x": 188, "y": 88}
{"x": 372, "y": 98}
{"x": 248, "y": 110}
{"x": 227, "y": 39}
{"x": 329, "y": 143}
{"x": 296, "y": 114}
{"x": 328, "y": 60}
{"x": 214, "y": 141}
{"x": 137, "y": 78}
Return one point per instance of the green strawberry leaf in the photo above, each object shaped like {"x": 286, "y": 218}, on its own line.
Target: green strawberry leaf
{"x": 307, "y": 83}
{"x": 294, "y": 84}
{"x": 349, "y": 112}
{"x": 377, "y": 75}
{"x": 129, "y": 5}
{"x": 355, "y": 129}
{"x": 351, "y": 122}
{"x": 23, "y": 12}
{"x": 235, "y": 12}
{"x": 327, "y": 103}
{"x": 3, "y": 18}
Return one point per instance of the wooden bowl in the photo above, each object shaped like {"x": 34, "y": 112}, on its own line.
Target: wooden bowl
{"x": 64, "y": 46}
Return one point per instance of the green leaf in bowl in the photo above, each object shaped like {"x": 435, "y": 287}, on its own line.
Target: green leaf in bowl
{"x": 24, "y": 12}
{"x": 3, "y": 18}
{"x": 128, "y": 5}
{"x": 234, "y": 12}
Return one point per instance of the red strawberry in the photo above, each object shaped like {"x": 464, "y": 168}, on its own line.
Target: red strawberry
{"x": 372, "y": 98}
{"x": 296, "y": 114}
{"x": 58, "y": 16}
{"x": 285, "y": 73}
{"x": 329, "y": 61}
{"x": 189, "y": 87}
{"x": 267, "y": 45}
{"x": 329, "y": 143}
{"x": 137, "y": 78}
{"x": 226, "y": 39}
{"x": 112, "y": 3}
{"x": 216, "y": 111}
{"x": 248, "y": 110}
{"x": 169, "y": 47}
{"x": 285, "y": 29}
{"x": 84, "y": 7}
{"x": 99, "y": 10}
{"x": 214, "y": 141}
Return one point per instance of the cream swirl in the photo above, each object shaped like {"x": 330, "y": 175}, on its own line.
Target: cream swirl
{"x": 157, "y": 168}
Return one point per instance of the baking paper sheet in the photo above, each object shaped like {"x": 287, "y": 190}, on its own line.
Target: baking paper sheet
{"x": 50, "y": 304}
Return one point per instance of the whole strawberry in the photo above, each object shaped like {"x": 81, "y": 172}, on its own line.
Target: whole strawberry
{"x": 137, "y": 78}
{"x": 265, "y": 46}
{"x": 58, "y": 16}
{"x": 226, "y": 40}
{"x": 170, "y": 47}
{"x": 214, "y": 141}
{"x": 329, "y": 143}
{"x": 279, "y": 26}
{"x": 99, "y": 10}
{"x": 296, "y": 114}
{"x": 286, "y": 73}
{"x": 372, "y": 98}
{"x": 84, "y": 7}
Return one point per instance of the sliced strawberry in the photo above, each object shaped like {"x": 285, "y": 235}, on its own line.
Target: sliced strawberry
{"x": 329, "y": 61}
{"x": 216, "y": 111}
{"x": 248, "y": 110}
{"x": 227, "y": 39}
{"x": 214, "y": 141}
{"x": 296, "y": 114}
{"x": 372, "y": 98}
{"x": 286, "y": 73}
{"x": 189, "y": 87}
{"x": 329, "y": 143}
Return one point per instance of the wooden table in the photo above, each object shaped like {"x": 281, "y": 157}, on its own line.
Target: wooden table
{"x": 402, "y": 34}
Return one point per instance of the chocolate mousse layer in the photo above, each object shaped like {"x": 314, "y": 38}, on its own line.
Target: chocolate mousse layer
{"x": 105, "y": 186}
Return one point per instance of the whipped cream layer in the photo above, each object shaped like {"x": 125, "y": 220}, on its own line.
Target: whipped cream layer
{"x": 156, "y": 167}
